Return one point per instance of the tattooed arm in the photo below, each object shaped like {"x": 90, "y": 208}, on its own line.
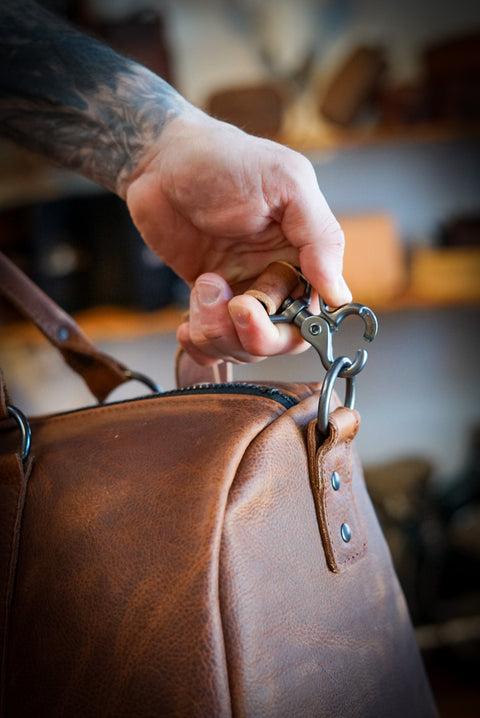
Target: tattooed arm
{"x": 73, "y": 99}
{"x": 215, "y": 203}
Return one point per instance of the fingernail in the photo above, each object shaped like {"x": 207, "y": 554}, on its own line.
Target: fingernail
{"x": 208, "y": 293}
{"x": 240, "y": 316}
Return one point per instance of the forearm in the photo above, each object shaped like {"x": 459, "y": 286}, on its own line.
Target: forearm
{"x": 76, "y": 101}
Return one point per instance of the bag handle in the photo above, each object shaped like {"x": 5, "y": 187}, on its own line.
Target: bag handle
{"x": 101, "y": 373}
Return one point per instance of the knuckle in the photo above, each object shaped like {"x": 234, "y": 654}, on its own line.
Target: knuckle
{"x": 213, "y": 332}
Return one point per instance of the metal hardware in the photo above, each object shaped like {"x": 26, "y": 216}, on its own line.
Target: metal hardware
{"x": 318, "y": 329}
{"x": 335, "y": 481}
{"x": 25, "y": 431}
{"x": 144, "y": 379}
{"x": 345, "y": 532}
{"x": 327, "y": 389}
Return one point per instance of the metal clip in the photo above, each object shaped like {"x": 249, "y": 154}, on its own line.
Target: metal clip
{"x": 318, "y": 329}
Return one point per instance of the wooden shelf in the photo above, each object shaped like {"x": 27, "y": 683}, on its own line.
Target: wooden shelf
{"x": 413, "y": 301}
{"x": 312, "y": 137}
{"x": 439, "y": 279}
{"x": 102, "y": 323}
{"x": 382, "y": 273}
{"x": 445, "y": 276}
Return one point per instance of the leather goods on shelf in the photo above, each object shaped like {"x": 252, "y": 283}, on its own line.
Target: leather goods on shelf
{"x": 355, "y": 86}
{"x": 258, "y": 109}
{"x": 446, "y": 274}
{"x": 452, "y": 77}
{"x": 374, "y": 264}
{"x": 181, "y": 554}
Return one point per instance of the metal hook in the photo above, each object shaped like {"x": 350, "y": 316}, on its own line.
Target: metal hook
{"x": 318, "y": 332}
{"x": 317, "y": 329}
{"x": 295, "y": 311}
{"x": 336, "y": 316}
{"x": 333, "y": 318}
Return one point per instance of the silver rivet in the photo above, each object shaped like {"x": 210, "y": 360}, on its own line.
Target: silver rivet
{"x": 63, "y": 333}
{"x": 315, "y": 329}
{"x": 346, "y": 532}
{"x": 335, "y": 481}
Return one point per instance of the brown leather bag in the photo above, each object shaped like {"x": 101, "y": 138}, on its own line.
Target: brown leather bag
{"x": 181, "y": 554}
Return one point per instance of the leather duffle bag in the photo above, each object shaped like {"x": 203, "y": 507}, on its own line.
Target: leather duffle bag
{"x": 200, "y": 552}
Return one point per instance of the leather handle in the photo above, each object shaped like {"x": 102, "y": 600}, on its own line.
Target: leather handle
{"x": 274, "y": 284}
{"x": 100, "y": 372}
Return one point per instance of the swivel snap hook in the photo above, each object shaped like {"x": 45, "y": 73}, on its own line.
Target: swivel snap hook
{"x": 333, "y": 318}
{"x": 318, "y": 329}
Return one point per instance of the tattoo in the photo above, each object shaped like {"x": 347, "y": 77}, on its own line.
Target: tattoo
{"x": 73, "y": 99}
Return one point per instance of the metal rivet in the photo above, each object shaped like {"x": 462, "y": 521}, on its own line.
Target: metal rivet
{"x": 63, "y": 333}
{"x": 315, "y": 329}
{"x": 335, "y": 481}
{"x": 346, "y": 532}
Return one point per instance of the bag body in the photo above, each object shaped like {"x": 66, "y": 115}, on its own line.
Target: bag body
{"x": 185, "y": 554}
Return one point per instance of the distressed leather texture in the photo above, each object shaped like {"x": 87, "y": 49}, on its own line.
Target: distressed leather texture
{"x": 181, "y": 556}
{"x": 171, "y": 563}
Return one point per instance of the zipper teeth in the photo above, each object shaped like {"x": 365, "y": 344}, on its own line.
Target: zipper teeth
{"x": 237, "y": 388}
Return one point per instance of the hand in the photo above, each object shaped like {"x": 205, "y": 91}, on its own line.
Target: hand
{"x": 214, "y": 203}
{"x": 218, "y": 205}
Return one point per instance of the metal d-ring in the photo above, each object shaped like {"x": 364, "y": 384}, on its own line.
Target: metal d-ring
{"x": 327, "y": 389}
{"x": 25, "y": 431}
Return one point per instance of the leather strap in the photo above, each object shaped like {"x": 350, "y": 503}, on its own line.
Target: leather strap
{"x": 275, "y": 283}
{"x": 331, "y": 472}
{"x": 101, "y": 372}
{"x": 189, "y": 373}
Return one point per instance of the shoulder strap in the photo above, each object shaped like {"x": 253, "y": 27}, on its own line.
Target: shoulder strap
{"x": 101, "y": 372}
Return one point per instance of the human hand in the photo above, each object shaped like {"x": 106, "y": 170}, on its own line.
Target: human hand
{"x": 218, "y": 205}
{"x": 214, "y": 203}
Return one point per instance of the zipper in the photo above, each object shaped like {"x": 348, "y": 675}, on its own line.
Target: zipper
{"x": 268, "y": 392}
{"x": 265, "y": 391}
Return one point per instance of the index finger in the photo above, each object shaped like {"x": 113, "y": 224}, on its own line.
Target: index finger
{"x": 309, "y": 224}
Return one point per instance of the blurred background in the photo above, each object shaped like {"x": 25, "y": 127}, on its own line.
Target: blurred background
{"x": 384, "y": 98}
